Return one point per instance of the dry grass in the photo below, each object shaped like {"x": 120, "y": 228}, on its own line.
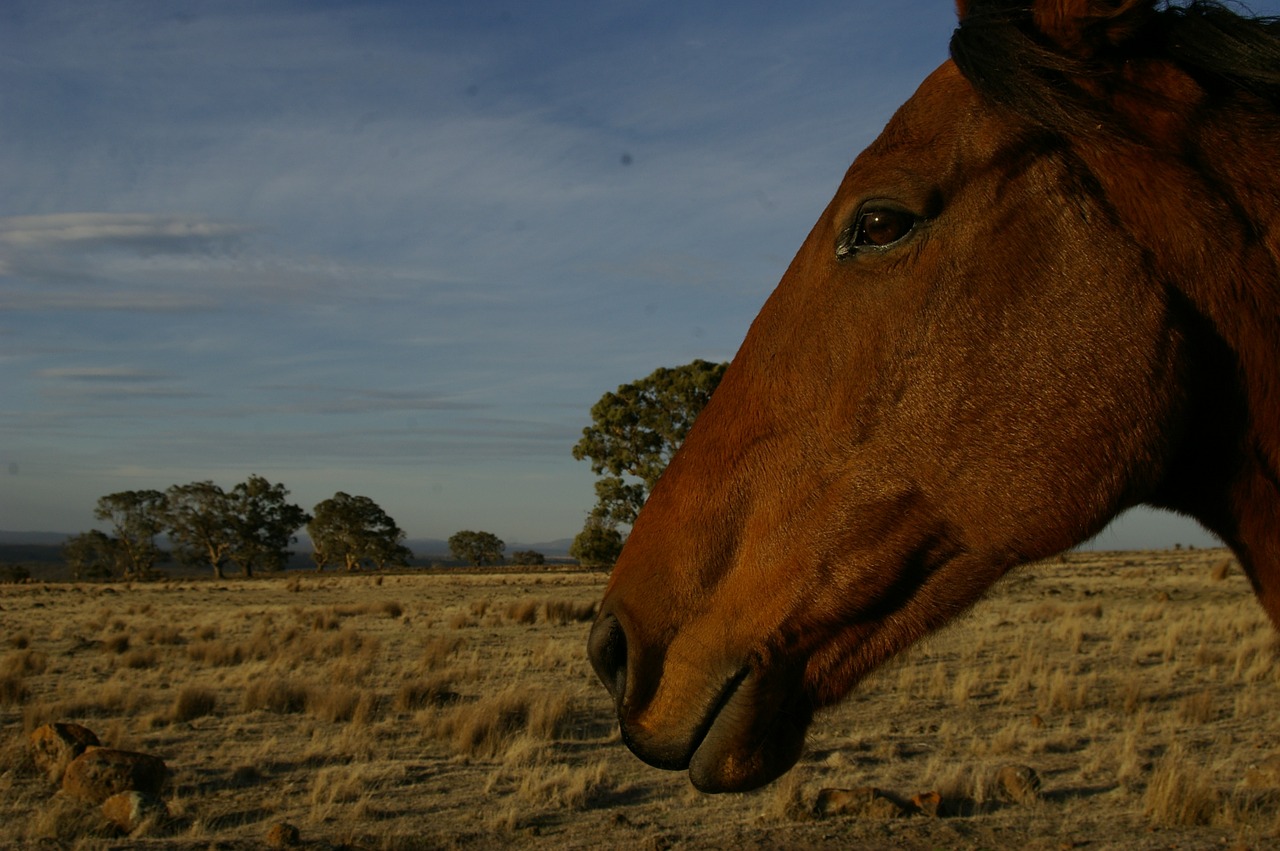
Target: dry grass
{"x": 193, "y": 702}
{"x": 459, "y": 711}
{"x": 13, "y": 690}
{"x": 524, "y": 611}
{"x": 275, "y": 694}
{"x": 433, "y": 691}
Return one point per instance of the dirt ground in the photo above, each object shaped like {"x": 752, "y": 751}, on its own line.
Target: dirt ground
{"x": 442, "y": 711}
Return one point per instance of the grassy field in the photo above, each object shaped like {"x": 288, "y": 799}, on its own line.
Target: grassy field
{"x": 434, "y": 711}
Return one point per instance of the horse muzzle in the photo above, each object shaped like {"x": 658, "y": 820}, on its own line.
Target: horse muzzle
{"x": 735, "y": 727}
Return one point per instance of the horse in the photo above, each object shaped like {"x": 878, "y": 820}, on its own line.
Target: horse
{"x": 1047, "y": 292}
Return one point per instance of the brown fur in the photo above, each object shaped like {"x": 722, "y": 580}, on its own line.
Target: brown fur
{"x": 1078, "y": 323}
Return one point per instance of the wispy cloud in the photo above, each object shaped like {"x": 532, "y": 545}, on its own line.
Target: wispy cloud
{"x": 145, "y": 233}
{"x": 96, "y": 374}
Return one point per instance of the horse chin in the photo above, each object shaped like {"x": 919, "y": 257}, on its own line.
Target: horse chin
{"x": 756, "y": 736}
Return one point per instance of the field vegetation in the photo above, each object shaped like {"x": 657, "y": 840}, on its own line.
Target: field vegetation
{"x": 1096, "y": 701}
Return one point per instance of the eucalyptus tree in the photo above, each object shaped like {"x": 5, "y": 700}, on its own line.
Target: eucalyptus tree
{"x": 202, "y": 524}
{"x": 136, "y": 517}
{"x": 478, "y": 548}
{"x": 634, "y": 433}
{"x": 355, "y": 530}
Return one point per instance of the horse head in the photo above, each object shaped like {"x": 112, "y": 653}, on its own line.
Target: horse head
{"x": 1046, "y": 293}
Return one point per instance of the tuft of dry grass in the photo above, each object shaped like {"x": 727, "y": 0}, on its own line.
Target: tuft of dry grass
{"x": 485, "y": 728}
{"x": 564, "y": 787}
{"x": 439, "y": 650}
{"x": 162, "y": 634}
{"x": 192, "y": 702}
{"x": 565, "y": 612}
{"x": 13, "y": 690}
{"x": 433, "y": 691}
{"x": 1180, "y": 794}
{"x": 524, "y": 611}
{"x": 66, "y": 821}
{"x": 25, "y": 662}
{"x": 333, "y": 702}
{"x": 1199, "y": 708}
{"x": 275, "y": 694}
{"x": 143, "y": 657}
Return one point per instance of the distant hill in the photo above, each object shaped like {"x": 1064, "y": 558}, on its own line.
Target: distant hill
{"x": 46, "y": 539}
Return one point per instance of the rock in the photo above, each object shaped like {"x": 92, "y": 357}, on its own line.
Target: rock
{"x": 55, "y": 745}
{"x": 928, "y": 803}
{"x": 99, "y": 773}
{"x": 863, "y": 802}
{"x": 1018, "y": 784}
{"x": 283, "y": 835}
{"x": 128, "y": 810}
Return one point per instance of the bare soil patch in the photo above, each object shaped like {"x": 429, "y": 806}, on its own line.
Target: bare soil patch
{"x": 1134, "y": 694}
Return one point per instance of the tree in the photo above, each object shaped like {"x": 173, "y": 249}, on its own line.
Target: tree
{"x": 264, "y": 523}
{"x": 354, "y": 529}
{"x": 136, "y": 517}
{"x": 597, "y": 545}
{"x": 202, "y": 524}
{"x": 92, "y": 555}
{"x": 478, "y": 548}
{"x": 528, "y": 557}
{"x": 634, "y": 433}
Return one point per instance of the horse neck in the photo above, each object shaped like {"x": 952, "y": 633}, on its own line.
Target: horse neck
{"x": 1234, "y": 283}
{"x": 1200, "y": 193}
{"x": 1243, "y": 303}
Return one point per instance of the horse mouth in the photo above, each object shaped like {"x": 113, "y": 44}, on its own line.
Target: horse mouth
{"x": 754, "y": 733}
{"x": 733, "y": 733}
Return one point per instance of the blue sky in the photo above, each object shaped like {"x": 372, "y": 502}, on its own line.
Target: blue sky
{"x": 400, "y": 248}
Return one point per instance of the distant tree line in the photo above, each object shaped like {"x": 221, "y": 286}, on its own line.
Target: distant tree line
{"x": 250, "y": 527}
{"x": 634, "y": 433}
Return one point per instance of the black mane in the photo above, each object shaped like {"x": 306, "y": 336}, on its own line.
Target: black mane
{"x": 1010, "y": 62}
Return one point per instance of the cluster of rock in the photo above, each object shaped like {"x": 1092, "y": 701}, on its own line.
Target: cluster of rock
{"x": 1014, "y": 784}
{"x": 125, "y": 784}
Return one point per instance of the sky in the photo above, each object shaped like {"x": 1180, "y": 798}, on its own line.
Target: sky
{"x": 400, "y": 248}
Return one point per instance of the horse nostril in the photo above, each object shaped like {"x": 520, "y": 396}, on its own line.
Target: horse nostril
{"x": 607, "y": 648}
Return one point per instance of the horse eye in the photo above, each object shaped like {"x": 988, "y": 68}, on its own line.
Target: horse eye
{"x": 878, "y": 228}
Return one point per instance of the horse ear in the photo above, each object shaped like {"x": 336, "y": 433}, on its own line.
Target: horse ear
{"x": 1088, "y": 27}
{"x": 962, "y": 9}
